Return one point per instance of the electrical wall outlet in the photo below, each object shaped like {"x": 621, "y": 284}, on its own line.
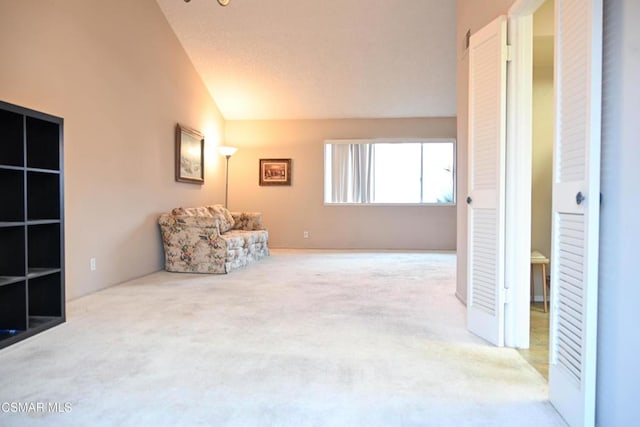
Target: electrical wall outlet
{"x": 305, "y": 234}
{"x": 92, "y": 264}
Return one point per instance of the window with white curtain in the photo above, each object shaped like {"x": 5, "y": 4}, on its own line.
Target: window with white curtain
{"x": 390, "y": 171}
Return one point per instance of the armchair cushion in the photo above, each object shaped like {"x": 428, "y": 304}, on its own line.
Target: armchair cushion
{"x": 224, "y": 217}
{"x": 247, "y": 221}
{"x": 201, "y": 212}
{"x": 219, "y": 212}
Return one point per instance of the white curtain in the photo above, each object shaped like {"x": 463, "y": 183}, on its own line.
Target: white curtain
{"x": 352, "y": 173}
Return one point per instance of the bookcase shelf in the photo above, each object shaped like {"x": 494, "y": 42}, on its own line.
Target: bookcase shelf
{"x": 13, "y": 308}
{"x": 43, "y": 196}
{"x": 43, "y": 148}
{"x": 12, "y": 251}
{"x": 7, "y": 280}
{"x": 12, "y": 125}
{"x": 12, "y": 185}
{"x": 31, "y": 223}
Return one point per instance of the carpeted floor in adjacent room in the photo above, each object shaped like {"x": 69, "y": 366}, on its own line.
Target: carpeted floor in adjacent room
{"x": 301, "y": 338}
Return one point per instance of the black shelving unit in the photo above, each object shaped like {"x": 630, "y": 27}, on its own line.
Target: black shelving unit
{"x": 31, "y": 223}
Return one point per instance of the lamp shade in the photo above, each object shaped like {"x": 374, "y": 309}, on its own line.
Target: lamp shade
{"x": 225, "y": 150}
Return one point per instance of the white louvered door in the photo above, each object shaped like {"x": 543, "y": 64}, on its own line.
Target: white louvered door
{"x": 576, "y": 204}
{"x": 486, "y": 201}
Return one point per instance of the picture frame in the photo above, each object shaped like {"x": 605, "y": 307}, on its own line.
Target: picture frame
{"x": 275, "y": 172}
{"x": 189, "y": 155}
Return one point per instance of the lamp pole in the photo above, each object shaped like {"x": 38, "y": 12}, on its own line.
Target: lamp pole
{"x": 227, "y": 152}
{"x": 226, "y": 186}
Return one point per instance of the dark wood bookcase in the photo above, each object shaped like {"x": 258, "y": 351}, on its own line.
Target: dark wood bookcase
{"x": 31, "y": 223}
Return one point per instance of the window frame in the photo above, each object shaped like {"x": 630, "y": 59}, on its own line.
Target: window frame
{"x": 391, "y": 141}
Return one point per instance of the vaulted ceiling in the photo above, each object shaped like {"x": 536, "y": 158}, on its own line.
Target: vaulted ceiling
{"x": 294, "y": 59}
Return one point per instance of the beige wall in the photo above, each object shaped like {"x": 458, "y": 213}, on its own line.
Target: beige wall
{"x": 289, "y": 211}
{"x": 116, "y": 73}
{"x": 471, "y": 15}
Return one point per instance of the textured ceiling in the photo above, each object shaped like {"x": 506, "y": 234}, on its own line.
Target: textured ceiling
{"x": 294, "y": 59}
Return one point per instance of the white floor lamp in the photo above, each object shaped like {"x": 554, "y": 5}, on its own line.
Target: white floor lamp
{"x": 227, "y": 152}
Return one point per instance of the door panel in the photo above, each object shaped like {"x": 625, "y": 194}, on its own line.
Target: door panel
{"x": 576, "y": 190}
{"x": 486, "y": 202}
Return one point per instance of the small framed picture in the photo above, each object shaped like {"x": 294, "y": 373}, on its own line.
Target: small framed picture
{"x": 189, "y": 155}
{"x": 275, "y": 171}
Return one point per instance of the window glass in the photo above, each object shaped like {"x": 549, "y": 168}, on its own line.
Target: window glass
{"x": 390, "y": 172}
{"x": 397, "y": 173}
{"x": 437, "y": 161}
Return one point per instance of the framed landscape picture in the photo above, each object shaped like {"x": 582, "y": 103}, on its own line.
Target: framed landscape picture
{"x": 189, "y": 155}
{"x": 275, "y": 171}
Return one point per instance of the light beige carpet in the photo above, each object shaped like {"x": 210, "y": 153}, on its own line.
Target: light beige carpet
{"x": 298, "y": 339}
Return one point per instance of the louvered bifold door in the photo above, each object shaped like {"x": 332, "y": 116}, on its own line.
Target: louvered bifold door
{"x": 576, "y": 187}
{"x": 486, "y": 195}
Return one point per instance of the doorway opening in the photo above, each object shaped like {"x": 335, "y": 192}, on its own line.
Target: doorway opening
{"x": 542, "y": 120}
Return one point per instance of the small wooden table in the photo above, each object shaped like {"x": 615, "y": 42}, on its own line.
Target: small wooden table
{"x": 538, "y": 259}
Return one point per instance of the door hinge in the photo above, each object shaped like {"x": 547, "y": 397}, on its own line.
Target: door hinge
{"x": 507, "y": 295}
{"x": 508, "y": 52}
